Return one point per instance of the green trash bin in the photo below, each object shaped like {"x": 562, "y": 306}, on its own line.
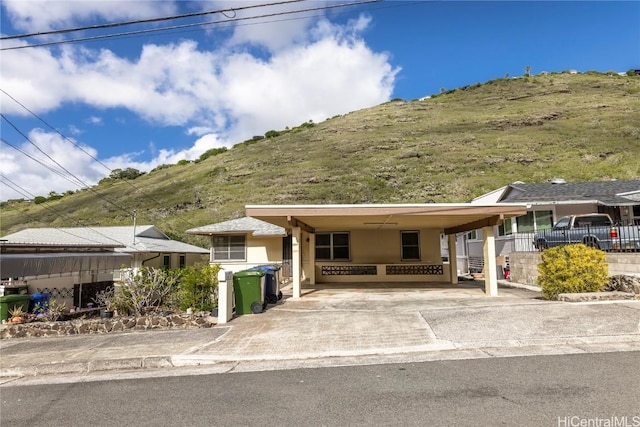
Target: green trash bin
{"x": 248, "y": 288}
{"x": 8, "y": 302}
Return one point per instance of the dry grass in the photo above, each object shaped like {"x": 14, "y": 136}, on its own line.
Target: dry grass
{"x": 449, "y": 148}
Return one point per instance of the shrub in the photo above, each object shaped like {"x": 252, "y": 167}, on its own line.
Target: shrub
{"x": 572, "y": 268}
{"x": 198, "y": 287}
{"x": 212, "y": 152}
{"x": 146, "y": 290}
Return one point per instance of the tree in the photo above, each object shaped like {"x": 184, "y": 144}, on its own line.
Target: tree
{"x": 128, "y": 173}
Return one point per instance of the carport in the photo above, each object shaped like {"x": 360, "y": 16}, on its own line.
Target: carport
{"x": 383, "y": 242}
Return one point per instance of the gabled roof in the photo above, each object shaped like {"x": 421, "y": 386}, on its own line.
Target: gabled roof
{"x": 246, "y": 225}
{"x": 145, "y": 238}
{"x": 608, "y": 193}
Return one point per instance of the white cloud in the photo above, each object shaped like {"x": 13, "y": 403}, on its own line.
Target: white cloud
{"x": 39, "y": 180}
{"x": 199, "y": 130}
{"x": 221, "y": 96}
{"x": 43, "y": 15}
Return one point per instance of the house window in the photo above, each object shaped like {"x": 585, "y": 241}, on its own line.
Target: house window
{"x": 410, "y": 245}
{"x": 535, "y": 221}
{"x": 183, "y": 261}
{"x": 332, "y": 246}
{"x": 472, "y": 235}
{"x": 505, "y": 229}
{"x": 166, "y": 261}
{"x": 229, "y": 247}
{"x": 636, "y": 215}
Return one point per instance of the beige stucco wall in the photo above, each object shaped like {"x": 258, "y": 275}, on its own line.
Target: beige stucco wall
{"x": 381, "y": 248}
{"x": 259, "y": 251}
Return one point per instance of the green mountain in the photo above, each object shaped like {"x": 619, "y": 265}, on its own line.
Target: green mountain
{"x": 447, "y": 148}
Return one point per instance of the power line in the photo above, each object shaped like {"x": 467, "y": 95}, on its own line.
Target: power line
{"x": 20, "y": 190}
{"x": 49, "y": 167}
{"x": 55, "y": 130}
{"x": 198, "y": 24}
{"x": 156, "y": 202}
{"x": 146, "y": 21}
{"x": 84, "y": 184}
{"x": 42, "y": 151}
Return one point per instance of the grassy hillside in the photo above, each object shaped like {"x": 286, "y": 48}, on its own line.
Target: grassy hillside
{"x": 447, "y": 148}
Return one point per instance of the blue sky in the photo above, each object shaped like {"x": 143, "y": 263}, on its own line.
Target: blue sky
{"x": 148, "y": 100}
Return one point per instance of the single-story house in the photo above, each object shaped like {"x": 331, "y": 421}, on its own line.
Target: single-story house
{"x": 546, "y": 203}
{"x": 369, "y": 243}
{"x": 242, "y": 243}
{"x": 74, "y": 263}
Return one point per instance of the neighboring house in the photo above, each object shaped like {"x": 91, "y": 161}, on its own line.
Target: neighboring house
{"x": 242, "y": 243}
{"x": 364, "y": 244}
{"x": 64, "y": 261}
{"x": 546, "y": 203}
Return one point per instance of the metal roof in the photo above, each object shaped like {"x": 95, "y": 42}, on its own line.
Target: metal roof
{"x": 128, "y": 239}
{"x": 245, "y": 225}
{"x": 50, "y": 264}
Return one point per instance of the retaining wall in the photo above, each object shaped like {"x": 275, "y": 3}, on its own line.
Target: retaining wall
{"x": 104, "y": 326}
{"x": 524, "y": 265}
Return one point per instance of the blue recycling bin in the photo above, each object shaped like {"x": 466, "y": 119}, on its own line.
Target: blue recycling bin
{"x": 272, "y": 293}
{"x": 39, "y": 301}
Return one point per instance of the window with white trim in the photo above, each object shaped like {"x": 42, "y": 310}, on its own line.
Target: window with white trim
{"x": 534, "y": 221}
{"x": 410, "y": 241}
{"x": 505, "y": 229}
{"x": 332, "y": 246}
{"x": 232, "y": 247}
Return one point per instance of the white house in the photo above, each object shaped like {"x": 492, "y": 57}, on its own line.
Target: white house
{"x": 74, "y": 263}
{"x": 546, "y": 203}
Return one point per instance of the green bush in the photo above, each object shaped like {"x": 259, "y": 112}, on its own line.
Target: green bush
{"x": 198, "y": 287}
{"x": 572, "y": 268}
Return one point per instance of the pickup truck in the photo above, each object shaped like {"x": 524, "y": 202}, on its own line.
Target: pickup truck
{"x": 595, "y": 230}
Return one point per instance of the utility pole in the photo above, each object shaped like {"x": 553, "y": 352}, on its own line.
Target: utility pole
{"x": 135, "y": 217}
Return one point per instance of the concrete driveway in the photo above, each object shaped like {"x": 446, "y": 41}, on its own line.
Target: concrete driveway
{"x": 352, "y": 320}
{"x": 350, "y": 325}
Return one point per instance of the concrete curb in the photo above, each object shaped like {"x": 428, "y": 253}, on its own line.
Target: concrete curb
{"x": 515, "y": 285}
{"x": 435, "y": 351}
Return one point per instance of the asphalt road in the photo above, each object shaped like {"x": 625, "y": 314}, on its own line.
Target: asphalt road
{"x": 566, "y": 390}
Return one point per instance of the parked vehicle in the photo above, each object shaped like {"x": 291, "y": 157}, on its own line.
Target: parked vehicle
{"x": 595, "y": 230}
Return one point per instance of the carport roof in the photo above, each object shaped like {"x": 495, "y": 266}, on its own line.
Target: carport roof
{"x": 450, "y": 218}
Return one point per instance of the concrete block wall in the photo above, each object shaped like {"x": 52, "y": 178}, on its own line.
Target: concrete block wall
{"x": 524, "y": 265}
{"x": 623, "y": 263}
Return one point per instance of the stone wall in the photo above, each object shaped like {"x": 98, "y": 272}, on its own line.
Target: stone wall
{"x": 524, "y": 265}
{"x": 104, "y": 326}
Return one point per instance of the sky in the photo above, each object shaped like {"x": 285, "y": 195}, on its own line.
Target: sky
{"x": 74, "y": 111}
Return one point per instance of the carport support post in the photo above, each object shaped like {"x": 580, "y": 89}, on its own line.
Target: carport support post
{"x": 453, "y": 258}
{"x": 490, "y": 274}
{"x": 296, "y": 260}
{"x": 312, "y": 259}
